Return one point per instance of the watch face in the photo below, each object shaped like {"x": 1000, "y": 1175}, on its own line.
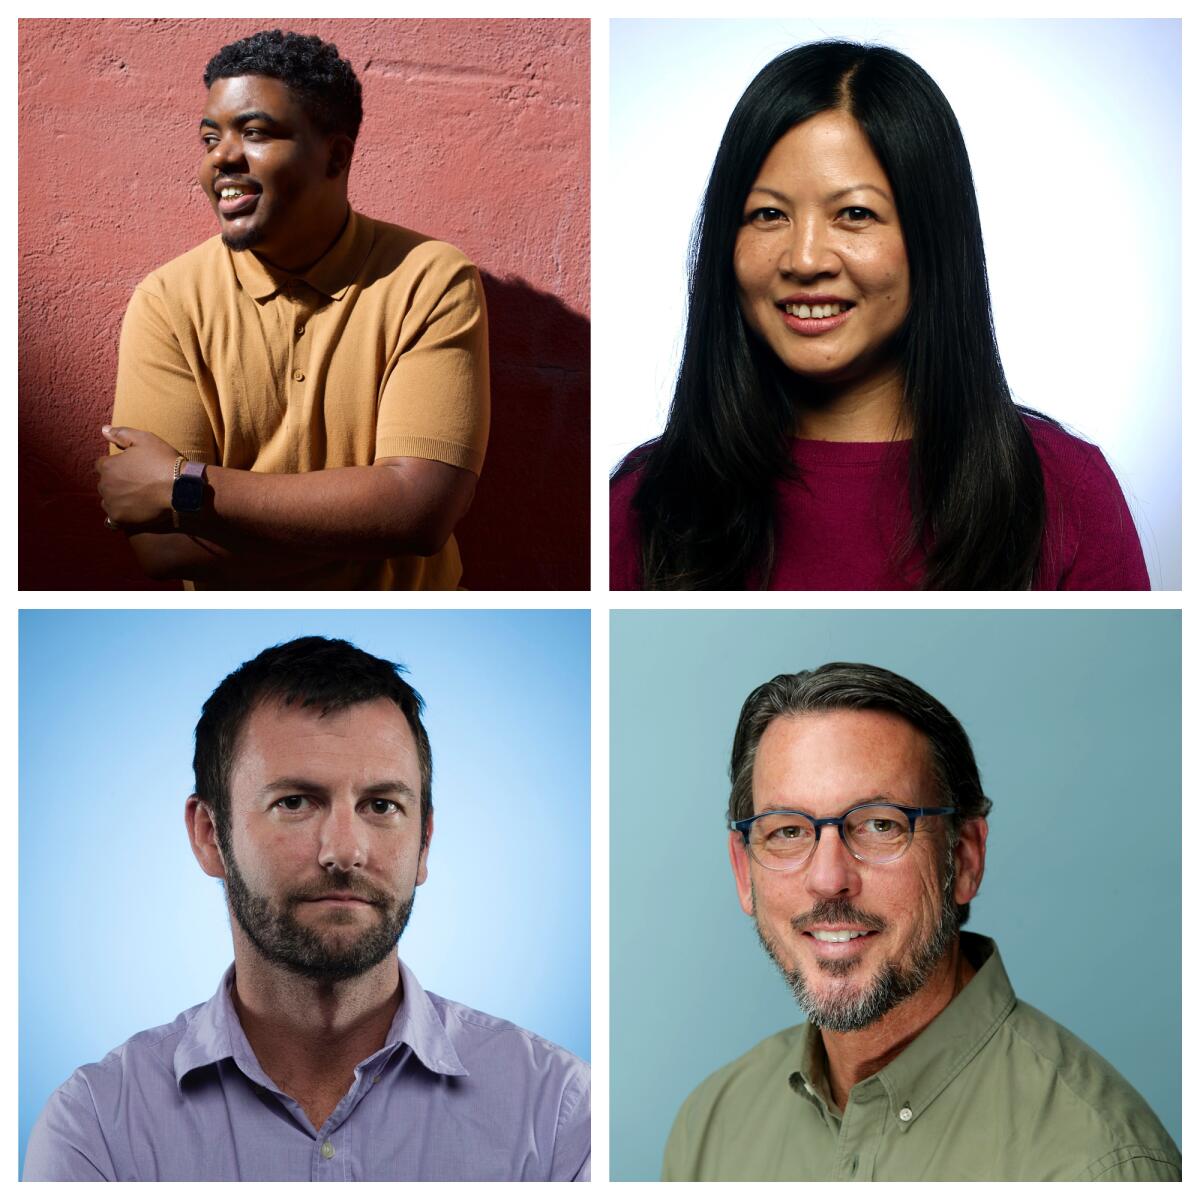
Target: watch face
{"x": 188, "y": 493}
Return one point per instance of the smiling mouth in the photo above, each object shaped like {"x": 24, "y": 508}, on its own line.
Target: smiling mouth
{"x": 817, "y": 311}
{"x": 235, "y": 201}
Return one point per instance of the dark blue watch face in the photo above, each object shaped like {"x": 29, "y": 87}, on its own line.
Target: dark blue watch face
{"x": 188, "y": 494}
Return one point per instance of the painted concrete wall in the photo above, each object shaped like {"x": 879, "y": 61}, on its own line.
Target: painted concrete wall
{"x": 475, "y": 132}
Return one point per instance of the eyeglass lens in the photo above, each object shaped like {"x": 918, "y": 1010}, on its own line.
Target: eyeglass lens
{"x": 877, "y": 833}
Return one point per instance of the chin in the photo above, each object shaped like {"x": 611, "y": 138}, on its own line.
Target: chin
{"x": 246, "y": 240}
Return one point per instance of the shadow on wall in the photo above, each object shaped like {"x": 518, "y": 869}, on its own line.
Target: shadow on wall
{"x": 528, "y": 526}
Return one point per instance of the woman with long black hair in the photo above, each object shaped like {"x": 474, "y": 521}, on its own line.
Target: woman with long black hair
{"x": 841, "y": 418}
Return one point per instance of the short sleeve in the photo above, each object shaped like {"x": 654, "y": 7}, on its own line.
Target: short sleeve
{"x": 434, "y": 400}
{"x": 156, "y": 389}
{"x": 67, "y": 1145}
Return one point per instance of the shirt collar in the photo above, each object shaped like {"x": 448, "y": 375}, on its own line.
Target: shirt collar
{"x": 915, "y": 1078}
{"x": 214, "y": 1034}
{"x": 331, "y": 275}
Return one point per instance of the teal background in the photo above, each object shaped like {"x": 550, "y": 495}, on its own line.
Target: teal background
{"x": 119, "y": 928}
{"x": 1075, "y": 719}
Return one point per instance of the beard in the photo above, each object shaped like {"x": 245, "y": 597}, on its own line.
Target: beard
{"x": 281, "y": 938}
{"x": 242, "y": 241}
{"x": 850, "y": 1008}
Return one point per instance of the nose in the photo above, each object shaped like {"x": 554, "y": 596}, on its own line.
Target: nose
{"x": 343, "y": 845}
{"x": 832, "y": 870}
{"x": 810, "y": 253}
{"x": 226, "y": 152}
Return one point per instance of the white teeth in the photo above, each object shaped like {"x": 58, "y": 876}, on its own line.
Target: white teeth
{"x": 805, "y": 311}
{"x": 837, "y": 935}
{"x": 229, "y": 193}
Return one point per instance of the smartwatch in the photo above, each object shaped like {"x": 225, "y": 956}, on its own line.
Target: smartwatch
{"x": 187, "y": 490}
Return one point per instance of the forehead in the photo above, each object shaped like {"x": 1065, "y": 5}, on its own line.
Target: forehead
{"x": 827, "y": 148}
{"x": 227, "y": 98}
{"x": 360, "y": 745}
{"x": 823, "y": 763}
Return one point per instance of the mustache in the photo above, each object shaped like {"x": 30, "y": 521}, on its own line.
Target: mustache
{"x": 342, "y": 882}
{"x": 837, "y": 912}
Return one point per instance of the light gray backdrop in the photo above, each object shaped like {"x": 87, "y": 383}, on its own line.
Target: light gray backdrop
{"x": 1075, "y": 720}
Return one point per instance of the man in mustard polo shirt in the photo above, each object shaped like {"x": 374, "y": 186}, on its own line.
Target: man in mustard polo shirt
{"x": 302, "y": 401}
{"x": 858, "y": 834}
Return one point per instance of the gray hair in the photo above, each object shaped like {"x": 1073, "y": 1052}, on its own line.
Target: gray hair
{"x": 860, "y": 686}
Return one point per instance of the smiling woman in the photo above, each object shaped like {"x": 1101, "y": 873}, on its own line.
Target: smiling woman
{"x": 841, "y": 418}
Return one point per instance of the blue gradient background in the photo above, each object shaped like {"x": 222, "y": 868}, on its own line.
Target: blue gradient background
{"x": 120, "y": 930}
{"x": 1075, "y": 720}
{"x": 1074, "y": 129}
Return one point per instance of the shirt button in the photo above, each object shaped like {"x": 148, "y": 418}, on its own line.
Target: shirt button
{"x": 298, "y": 376}
{"x": 299, "y": 330}
{"x": 327, "y": 1149}
{"x": 375, "y": 1078}
{"x": 906, "y": 1113}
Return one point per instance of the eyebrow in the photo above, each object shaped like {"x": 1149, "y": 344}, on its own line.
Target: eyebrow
{"x": 253, "y": 114}
{"x": 296, "y": 783}
{"x": 854, "y": 187}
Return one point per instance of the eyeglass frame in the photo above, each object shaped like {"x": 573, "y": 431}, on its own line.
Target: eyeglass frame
{"x": 743, "y": 827}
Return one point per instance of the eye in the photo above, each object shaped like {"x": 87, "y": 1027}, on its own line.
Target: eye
{"x": 787, "y": 833}
{"x": 764, "y": 216}
{"x": 254, "y": 133}
{"x": 384, "y": 808}
{"x": 292, "y": 804}
{"x": 857, "y": 215}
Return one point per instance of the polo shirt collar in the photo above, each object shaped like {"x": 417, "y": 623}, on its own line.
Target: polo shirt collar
{"x": 915, "y": 1078}
{"x": 214, "y": 1034}
{"x": 331, "y": 275}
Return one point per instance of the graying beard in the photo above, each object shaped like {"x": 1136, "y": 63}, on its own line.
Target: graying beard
{"x": 891, "y": 986}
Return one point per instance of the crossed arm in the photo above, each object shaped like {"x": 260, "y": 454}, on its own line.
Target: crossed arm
{"x": 256, "y": 527}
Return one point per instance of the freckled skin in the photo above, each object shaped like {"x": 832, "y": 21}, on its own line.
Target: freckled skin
{"x": 798, "y": 236}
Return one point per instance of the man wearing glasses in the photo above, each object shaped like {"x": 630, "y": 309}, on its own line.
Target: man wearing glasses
{"x": 858, "y": 834}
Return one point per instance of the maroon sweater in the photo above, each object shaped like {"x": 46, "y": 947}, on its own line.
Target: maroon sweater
{"x": 837, "y": 524}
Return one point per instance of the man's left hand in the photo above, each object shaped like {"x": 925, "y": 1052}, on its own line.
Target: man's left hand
{"x": 136, "y": 485}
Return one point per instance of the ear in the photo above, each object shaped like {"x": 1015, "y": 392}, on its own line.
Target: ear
{"x": 422, "y": 865}
{"x": 202, "y": 833}
{"x": 969, "y": 856}
{"x": 341, "y": 151}
{"x": 739, "y": 859}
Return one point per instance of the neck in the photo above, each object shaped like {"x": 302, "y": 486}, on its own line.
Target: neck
{"x": 316, "y": 244}
{"x": 853, "y": 1057}
{"x": 868, "y": 410}
{"x": 308, "y": 1035}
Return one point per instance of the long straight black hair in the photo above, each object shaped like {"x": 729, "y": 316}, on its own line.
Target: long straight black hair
{"x": 705, "y": 500}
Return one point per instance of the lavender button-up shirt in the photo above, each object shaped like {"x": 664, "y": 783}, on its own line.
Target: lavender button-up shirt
{"x": 454, "y": 1094}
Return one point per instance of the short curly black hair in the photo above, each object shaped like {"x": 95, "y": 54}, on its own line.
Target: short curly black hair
{"x": 325, "y": 84}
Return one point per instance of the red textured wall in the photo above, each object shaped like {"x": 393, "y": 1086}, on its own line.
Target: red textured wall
{"x": 475, "y": 132}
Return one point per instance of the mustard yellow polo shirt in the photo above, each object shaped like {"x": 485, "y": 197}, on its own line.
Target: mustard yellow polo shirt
{"x": 378, "y": 350}
{"x": 991, "y": 1089}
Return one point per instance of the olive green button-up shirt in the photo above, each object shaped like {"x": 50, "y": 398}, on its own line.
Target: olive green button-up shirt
{"x": 991, "y": 1089}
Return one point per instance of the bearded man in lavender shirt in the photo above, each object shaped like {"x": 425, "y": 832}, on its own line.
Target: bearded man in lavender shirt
{"x": 320, "y": 1057}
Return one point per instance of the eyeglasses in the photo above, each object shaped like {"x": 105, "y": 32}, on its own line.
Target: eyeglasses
{"x": 875, "y": 833}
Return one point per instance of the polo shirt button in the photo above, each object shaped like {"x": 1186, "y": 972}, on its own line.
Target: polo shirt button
{"x": 298, "y": 376}
{"x": 906, "y": 1113}
{"x": 300, "y": 331}
{"x": 327, "y": 1149}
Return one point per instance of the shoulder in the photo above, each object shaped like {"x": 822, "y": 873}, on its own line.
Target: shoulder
{"x": 395, "y": 248}
{"x": 485, "y": 1043}
{"x": 710, "y": 1131}
{"x": 624, "y": 533}
{"x": 742, "y": 1080}
{"x": 199, "y": 266}
{"x": 1091, "y": 539}
{"x": 88, "y": 1117}
{"x": 1063, "y": 455}
{"x": 1090, "y": 1108}
{"x": 148, "y": 1053}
